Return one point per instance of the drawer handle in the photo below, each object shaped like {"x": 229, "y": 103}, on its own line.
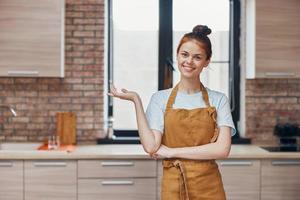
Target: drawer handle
{"x": 50, "y": 164}
{"x": 291, "y": 74}
{"x": 236, "y": 163}
{"x": 285, "y": 162}
{"x": 6, "y": 164}
{"x": 106, "y": 164}
{"x": 117, "y": 182}
{"x": 23, "y": 73}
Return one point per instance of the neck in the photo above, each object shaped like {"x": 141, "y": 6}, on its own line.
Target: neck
{"x": 189, "y": 86}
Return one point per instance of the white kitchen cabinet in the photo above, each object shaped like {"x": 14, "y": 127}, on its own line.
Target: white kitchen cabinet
{"x": 32, "y": 38}
{"x": 280, "y": 179}
{"x": 50, "y": 179}
{"x": 117, "y": 179}
{"x": 272, "y": 39}
{"x": 11, "y": 180}
{"x": 241, "y": 178}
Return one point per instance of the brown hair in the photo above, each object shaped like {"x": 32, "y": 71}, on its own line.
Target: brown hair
{"x": 199, "y": 33}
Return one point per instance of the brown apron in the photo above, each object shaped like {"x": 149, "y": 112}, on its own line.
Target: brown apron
{"x": 185, "y": 179}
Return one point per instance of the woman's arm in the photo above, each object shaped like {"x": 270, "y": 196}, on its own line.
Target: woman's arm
{"x": 217, "y": 150}
{"x": 150, "y": 139}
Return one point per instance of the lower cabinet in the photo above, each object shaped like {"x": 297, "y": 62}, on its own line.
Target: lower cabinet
{"x": 117, "y": 188}
{"x": 241, "y": 178}
{"x": 159, "y": 178}
{"x": 280, "y": 179}
{"x": 11, "y": 180}
{"x": 117, "y": 179}
{"x": 50, "y": 179}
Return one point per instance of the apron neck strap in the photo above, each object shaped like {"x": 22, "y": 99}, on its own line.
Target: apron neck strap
{"x": 205, "y": 95}
{"x": 173, "y": 94}
{"x": 172, "y": 98}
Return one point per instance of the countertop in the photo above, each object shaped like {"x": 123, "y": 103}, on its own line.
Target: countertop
{"x": 126, "y": 151}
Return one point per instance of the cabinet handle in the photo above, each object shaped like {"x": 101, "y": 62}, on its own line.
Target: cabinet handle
{"x": 6, "y": 164}
{"x": 280, "y": 74}
{"x": 106, "y": 164}
{"x": 50, "y": 164}
{"x": 286, "y": 162}
{"x": 23, "y": 73}
{"x": 236, "y": 163}
{"x": 117, "y": 182}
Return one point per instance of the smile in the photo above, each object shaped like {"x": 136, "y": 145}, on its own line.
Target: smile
{"x": 187, "y": 68}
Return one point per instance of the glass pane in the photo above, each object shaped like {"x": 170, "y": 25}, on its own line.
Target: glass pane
{"x": 135, "y": 55}
{"x": 214, "y": 14}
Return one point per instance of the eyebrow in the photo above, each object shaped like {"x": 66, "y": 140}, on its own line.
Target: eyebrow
{"x": 198, "y": 54}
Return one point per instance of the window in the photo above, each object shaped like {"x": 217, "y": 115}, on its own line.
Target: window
{"x": 143, "y": 38}
{"x": 134, "y": 54}
{"x": 215, "y": 14}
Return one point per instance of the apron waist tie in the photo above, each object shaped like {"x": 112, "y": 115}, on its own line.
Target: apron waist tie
{"x": 184, "y": 195}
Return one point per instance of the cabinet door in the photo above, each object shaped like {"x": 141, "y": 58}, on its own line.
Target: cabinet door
{"x": 32, "y": 38}
{"x": 241, "y": 178}
{"x": 11, "y": 180}
{"x": 159, "y": 178}
{"x": 280, "y": 180}
{"x": 273, "y": 39}
{"x": 116, "y": 168}
{"x": 117, "y": 188}
{"x": 50, "y": 179}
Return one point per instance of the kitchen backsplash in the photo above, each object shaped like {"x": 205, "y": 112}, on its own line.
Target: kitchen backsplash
{"x": 37, "y": 100}
{"x": 268, "y": 102}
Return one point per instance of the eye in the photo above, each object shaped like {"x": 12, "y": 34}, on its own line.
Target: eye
{"x": 198, "y": 58}
{"x": 184, "y": 54}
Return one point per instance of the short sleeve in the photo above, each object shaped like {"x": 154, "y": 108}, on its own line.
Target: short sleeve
{"x": 224, "y": 117}
{"x": 155, "y": 114}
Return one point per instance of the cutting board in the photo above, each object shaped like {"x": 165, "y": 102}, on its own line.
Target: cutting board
{"x": 66, "y": 127}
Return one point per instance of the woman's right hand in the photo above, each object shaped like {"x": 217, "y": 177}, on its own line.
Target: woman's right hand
{"x": 124, "y": 94}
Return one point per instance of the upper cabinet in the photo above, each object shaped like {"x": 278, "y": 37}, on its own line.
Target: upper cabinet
{"x": 32, "y": 38}
{"x": 272, "y": 39}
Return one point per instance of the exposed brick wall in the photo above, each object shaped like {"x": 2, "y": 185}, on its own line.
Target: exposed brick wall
{"x": 270, "y": 101}
{"x": 81, "y": 91}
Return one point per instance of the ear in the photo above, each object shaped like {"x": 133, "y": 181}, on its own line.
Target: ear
{"x": 207, "y": 63}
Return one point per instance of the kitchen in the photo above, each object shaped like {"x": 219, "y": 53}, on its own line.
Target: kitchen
{"x": 80, "y": 88}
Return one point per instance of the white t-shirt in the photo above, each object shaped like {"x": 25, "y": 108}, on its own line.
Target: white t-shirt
{"x": 157, "y": 105}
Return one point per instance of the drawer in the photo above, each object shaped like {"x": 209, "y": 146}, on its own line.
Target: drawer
{"x": 116, "y": 168}
{"x": 117, "y": 188}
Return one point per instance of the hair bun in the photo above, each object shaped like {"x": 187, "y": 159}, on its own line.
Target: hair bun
{"x": 201, "y": 30}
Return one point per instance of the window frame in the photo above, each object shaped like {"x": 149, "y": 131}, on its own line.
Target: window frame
{"x": 165, "y": 64}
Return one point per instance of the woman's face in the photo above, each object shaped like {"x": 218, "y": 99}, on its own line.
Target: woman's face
{"x": 191, "y": 59}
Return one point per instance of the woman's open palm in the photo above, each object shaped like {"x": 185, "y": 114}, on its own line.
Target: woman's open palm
{"x": 124, "y": 94}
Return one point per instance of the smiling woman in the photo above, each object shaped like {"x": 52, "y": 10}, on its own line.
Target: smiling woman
{"x": 188, "y": 126}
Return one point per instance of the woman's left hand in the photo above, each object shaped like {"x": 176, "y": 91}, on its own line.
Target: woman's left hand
{"x": 162, "y": 152}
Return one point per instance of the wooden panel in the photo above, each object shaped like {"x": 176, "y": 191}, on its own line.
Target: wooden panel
{"x": 32, "y": 38}
{"x": 159, "y": 178}
{"x": 51, "y": 180}
{"x": 280, "y": 180}
{"x": 116, "y": 168}
{"x": 11, "y": 180}
{"x": 241, "y": 179}
{"x": 277, "y": 38}
{"x": 112, "y": 189}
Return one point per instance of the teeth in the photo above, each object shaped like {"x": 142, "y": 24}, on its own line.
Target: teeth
{"x": 188, "y": 68}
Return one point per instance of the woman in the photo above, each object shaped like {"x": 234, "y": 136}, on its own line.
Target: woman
{"x": 188, "y": 126}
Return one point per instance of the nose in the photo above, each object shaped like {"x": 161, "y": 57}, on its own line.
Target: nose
{"x": 189, "y": 60}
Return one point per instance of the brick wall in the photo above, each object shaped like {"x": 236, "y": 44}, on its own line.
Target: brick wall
{"x": 81, "y": 91}
{"x": 270, "y": 101}
{"x": 36, "y": 100}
